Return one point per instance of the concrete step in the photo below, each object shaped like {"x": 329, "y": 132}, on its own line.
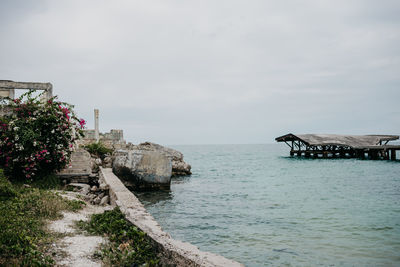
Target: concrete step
{"x": 80, "y": 159}
{"x": 83, "y": 175}
{"x": 76, "y": 170}
{"x": 81, "y": 169}
{"x": 81, "y": 152}
{"x": 79, "y": 165}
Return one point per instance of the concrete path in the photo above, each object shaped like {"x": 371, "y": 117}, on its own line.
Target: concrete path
{"x": 76, "y": 249}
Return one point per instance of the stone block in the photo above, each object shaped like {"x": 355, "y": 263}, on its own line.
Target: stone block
{"x": 145, "y": 169}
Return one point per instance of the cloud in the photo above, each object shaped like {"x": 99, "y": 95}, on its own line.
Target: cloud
{"x": 212, "y": 71}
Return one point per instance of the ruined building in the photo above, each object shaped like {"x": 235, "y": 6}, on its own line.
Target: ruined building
{"x": 114, "y": 139}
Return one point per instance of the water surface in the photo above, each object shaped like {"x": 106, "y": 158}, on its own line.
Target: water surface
{"x": 256, "y": 205}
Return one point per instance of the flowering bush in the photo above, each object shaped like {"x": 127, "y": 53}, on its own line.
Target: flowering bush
{"x": 36, "y": 138}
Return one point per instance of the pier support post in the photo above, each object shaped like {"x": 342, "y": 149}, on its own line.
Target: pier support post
{"x": 360, "y": 154}
{"x": 373, "y": 154}
{"x": 386, "y": 154}
{"x": 393, "y": 154}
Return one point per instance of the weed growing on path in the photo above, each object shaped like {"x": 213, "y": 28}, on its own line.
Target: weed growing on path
{"x": 128, "y": 245}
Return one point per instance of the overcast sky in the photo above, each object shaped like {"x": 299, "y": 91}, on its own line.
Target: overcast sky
{"x": 211, "y": 72}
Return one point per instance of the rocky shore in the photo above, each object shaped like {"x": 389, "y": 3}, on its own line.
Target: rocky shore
{"x": 149, "y": 166}
{"x": 146, "y": 166}
{"x": 103, "y": 179}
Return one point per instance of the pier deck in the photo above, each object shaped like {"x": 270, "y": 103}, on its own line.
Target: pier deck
{"x": 341, "y": 146}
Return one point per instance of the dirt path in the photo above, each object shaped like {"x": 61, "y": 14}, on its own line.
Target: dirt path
{"x": 76, "y": 249}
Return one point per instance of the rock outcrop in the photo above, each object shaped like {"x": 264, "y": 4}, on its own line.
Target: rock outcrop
{"x": 179, "y": 166}
{"x": 143, "y": 169}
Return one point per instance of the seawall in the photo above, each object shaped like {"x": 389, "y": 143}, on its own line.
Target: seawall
{"x": 174, "y": 252}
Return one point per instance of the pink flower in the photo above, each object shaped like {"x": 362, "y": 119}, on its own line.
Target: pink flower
{"x": 82, "y": 122}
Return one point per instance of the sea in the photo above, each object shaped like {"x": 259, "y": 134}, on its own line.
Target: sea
{"x": 257, "y": 205}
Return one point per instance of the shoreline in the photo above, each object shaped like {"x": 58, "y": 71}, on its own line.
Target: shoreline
{"x": 174, "y": 252}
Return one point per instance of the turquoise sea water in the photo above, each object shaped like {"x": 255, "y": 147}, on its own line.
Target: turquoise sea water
{"x": 257, "y": 205}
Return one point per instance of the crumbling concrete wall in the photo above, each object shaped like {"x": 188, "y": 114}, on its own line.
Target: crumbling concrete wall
{"x": 7, "y": 89}
{"x": 11, "y": 85}
{"x": 7, "y": 93}
{"x": 4, "y": 110}
{"x": 174, "y": 252}
{"x": 113, "y": 139}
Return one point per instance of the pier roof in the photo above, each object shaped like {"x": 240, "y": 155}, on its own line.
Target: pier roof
{"x": 354, "y": 141}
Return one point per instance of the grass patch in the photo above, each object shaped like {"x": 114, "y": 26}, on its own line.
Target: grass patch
{"x": 6, "y": 188}
{"x": 128, "y": 245}
{"x": 98, "y": 149}
{"x": 50, "y": 181}
{"x": 23, "y": 239}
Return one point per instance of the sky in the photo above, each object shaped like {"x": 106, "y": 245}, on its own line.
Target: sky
{"x": 212, "y": 72}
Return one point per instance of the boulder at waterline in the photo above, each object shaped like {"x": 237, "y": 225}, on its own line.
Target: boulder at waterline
{"x": 143, "y": 170}
{"x": 179, "y": 166}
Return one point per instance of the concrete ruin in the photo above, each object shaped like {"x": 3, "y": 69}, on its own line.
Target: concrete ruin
{"x": 10, "y": 93}
{"x": 113, "y": 139}
{"x": 7, "y": 90}
{"x": 96, "y": 125}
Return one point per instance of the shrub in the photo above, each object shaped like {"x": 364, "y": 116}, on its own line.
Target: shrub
{"x": 37, "y": 137}
{"x": 98, "y": 149}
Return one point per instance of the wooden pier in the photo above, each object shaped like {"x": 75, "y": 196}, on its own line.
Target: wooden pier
{"x": 341, "y": 146}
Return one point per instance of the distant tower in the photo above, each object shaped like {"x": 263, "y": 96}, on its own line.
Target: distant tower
{"x": 96, "y": 125}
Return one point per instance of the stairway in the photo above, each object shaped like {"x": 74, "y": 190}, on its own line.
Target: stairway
{"x": 78, "y": 170}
